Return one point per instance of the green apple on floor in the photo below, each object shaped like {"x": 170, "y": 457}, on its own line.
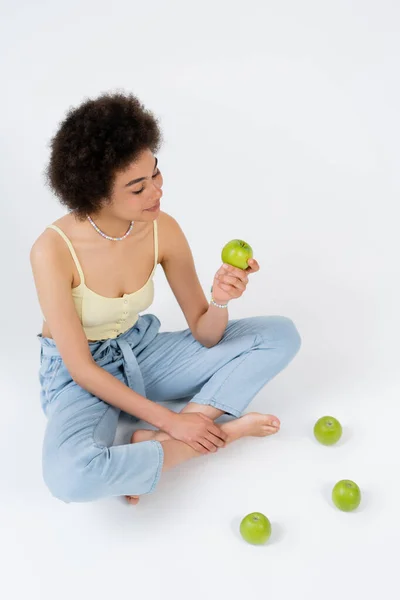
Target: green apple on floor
{"x": 255, "y": 528}
{"x": 237, "y": 253}
{"x": 328, "y": 430}
{"x": 346, "y": 495}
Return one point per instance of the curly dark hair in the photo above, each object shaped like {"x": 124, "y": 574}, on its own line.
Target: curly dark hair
{"x": 94, "y": 141}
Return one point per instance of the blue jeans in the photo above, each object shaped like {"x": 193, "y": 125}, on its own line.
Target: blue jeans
{"x": 80, "y": 463}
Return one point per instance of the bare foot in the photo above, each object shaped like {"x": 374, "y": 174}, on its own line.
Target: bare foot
{"x": 132, "y": 499}
{"x": 253, "y": 424}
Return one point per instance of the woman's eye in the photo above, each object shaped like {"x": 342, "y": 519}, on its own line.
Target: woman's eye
{"x": 154, "y": 176}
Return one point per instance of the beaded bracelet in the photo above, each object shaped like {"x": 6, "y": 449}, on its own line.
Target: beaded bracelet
{"x": 212, "y": 301}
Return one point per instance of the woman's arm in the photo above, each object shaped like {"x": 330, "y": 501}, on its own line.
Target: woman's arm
{"x": 108, "y": 388}
{"x": 206, "y": 321}
{"x": 51, "y": 268}
{"x": 52, "y": 272}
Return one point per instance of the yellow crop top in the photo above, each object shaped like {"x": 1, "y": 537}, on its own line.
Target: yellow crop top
{"x": 101, "y": 317}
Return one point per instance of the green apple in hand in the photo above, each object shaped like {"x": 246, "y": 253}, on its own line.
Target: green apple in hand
{"x": 328, "y": 430}
{"x": 255, "y": 528}
{"x": 237, "y": 253}
{"x": 346, "y": 495}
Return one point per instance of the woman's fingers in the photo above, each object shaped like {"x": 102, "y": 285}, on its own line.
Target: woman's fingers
{"x": 199, "y": 448}
{"x": 218, "y": 432}
{"x": 234, "y": 281}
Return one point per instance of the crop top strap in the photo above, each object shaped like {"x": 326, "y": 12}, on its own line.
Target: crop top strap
{"x": 71, "y": 249}
{"x": 155, "y": 243}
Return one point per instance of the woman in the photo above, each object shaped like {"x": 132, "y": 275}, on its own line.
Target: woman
{"x": 93, "y": 271}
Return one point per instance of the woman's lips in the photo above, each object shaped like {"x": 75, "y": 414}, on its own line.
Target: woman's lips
{"x": 154, "y": 208}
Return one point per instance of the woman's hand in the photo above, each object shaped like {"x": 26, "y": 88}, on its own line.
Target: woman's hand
{"x": 230, "y": 282}
{"x": 197, "y": 430}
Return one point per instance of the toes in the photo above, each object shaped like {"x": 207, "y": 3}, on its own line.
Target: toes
{"x": 270, "y": 430}
{"x": 132, "y": 499}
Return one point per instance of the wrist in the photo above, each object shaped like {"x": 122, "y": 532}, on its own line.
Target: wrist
{"x": 218, "y": 303}
{"x": 166, "y": 419}
{"x": 214, "y": 301}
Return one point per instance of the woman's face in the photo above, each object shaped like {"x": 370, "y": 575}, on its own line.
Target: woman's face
{"x": 132, "y": 199}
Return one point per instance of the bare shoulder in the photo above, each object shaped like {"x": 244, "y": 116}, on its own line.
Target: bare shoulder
{"x": 166, "y": 221}
{"x": 46, "y": 244}
{"x": 49, "y": 255}
{"x": 169, "y": 233}
{"x": 49, "y": 245}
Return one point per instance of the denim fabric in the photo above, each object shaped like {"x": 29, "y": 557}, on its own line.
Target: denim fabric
{"x": 81, "y": 464}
